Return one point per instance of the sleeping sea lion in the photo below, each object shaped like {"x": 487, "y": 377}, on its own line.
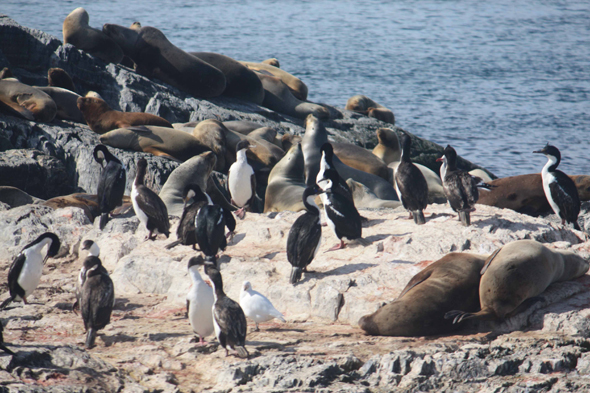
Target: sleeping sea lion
{"x": 362, "y": 159}
{"x": 295, "y": 85}
{"x": 26, "y": 101}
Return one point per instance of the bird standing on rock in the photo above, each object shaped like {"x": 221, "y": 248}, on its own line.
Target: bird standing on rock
{"x": 148, "y": 206}
{"x": 241, "y": 181}
{"x": 459, "y": 187}
{"x": 305, "y": 236}
{"x": 111, "y": 185}
{"x": 194, "y": 199}
{"x": 256, "y": 306}
{"x": 199, "y": 302}
{"x": 410, "y": 184}
{"x": 560, "y": 190}
{"x": 26, "y": 269}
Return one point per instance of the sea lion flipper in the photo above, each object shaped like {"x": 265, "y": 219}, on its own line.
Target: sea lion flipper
{"x": 525, "y": 305}
{"x": 489, "y": 260}
{"x": 417, "y": 279}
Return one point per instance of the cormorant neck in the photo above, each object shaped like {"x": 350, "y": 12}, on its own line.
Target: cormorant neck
{"x": 195, "y": 275}
{"x": 140, "y": 176}
{"x": 241, "y": 155}
{"x": 406, "y": 153}
{"x": 311, "y": 206}
{"x": 552, "y": 163}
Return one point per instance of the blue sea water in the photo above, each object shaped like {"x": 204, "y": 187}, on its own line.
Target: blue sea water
{"x": 496, "y": 80}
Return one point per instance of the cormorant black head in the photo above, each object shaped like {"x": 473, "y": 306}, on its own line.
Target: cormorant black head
{"x": 92, "y": 247}
{"x": 215, "y": 276}
{"x": 193, "y": 191}
{"x": 243, "y": 144}
{"x": 406, "y": 143}
{"x": 310, "y": 204}
{"x": 102, "y": 153}
{"x": 141, "y": 168}
{"x": 54, "y": 244}
{"x": 450, "y": 157}
{"x": 550, "y": 150}
{"x": 196, "y": 261}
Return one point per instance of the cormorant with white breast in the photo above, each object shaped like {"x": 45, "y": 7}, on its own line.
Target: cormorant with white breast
{"x": 111, "y": 185}
{"x": 148, "y": 206}
{"x": 229, "y": 319}
{"x": 305, "y": 236}
{"x": 241, "y": 181}
{"x": 199, "y": 302}
{"x": 459, "y": 187}
{"x": 97, "y": 297}
{"x": 194, "y": 200}
{"x": 560, "y": 190}
{"x": 410, "y": 184}
{"x": 328, "y": 171}
{"x": 93, "y": 251}
{"x": 210, "y": 226}
{"x": 26, "y": 269}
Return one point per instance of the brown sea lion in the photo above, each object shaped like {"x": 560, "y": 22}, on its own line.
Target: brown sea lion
{"x": 451, "y": 282}
{"x": 361, "y": 104}
{"x": 515, "y": 274}
{"x": 388, "y": 147}
{"x": 286, "y": 183}
{"x": 272, "y": 62}
{"x": 101, "y": 118}
{"x": 156, "y": 57}
{"x": 242, "y": 126}
{"x": 289, "y": 140}
{"x": 267, "y": 134}
{"x": 86, "y": 202}
{"x": 77, "y": 32}
{"x": 362, "y": 159}
{"x": 57, "y": 77}
{"x": 26, "y": 101}
{"x": 295, "y": 85}
{"x": 209, "y": 133}
{"x": 66, "y": 101}
{"x": 241, "y": 82}
{"x": 159, "y": 141}
{"x": 382, "y": 114}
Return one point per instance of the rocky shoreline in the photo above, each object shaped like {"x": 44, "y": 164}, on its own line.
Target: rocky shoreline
{"x": 149, "y": 345}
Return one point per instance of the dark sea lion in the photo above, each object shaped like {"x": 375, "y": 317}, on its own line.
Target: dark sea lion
{"x": 267, "y": 134}
{"x": 278, "y": 97}
{"x": 315, "y": 136}
{"x": 159, "y": 141}
{"x": 297, "y": 87}
{"x": 26, "y": 101}
{"x": 57, "y": 77}
{"x": 156, "y": 57}
{"x": 101, "y": 118}
{"x": 361, "y": 104}
{"x": 388, "y": 147}
{"x": 286, "y": 183}
{"x": 382, "y": 114}
{"x": 241, "y": 82}
{"x": 272, "y": 62}
{"x": 210, "y": 134}
{"x": 15, "y": 197}
{"x": 242, "y": 126}
{"x": 66, "y": 101}
{"x": 77, "y": 32}
{"x": 515, "y": 274}
{"x": 447, "y": 283}
{"x": 361, "y": 159}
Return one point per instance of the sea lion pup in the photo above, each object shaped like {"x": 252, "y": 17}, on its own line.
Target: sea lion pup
{"x": 382, "y": 114}
{"x": 272, "y": 62}
{"x": 160, "y": 141}
{"x": 77, "y": 32}
{"x": 362, "y": 159}
{"x": 286, "y": 183}
{"x": 279, "y": 98}
{"x": 26, "y": 101}
{"x": 101, "y": 118}
{"x": 516, "y": 274}
{"x": 57, "y": 77}
{"x": 314, "y": 138}
{"x": 241, "y": 82}
{"x": 156, "y": 57}
{"x": 295, "y": 85}
{"x": 449, "y": 283}
{"x": 388, "y": 147}
{"x": 66, "y": 102}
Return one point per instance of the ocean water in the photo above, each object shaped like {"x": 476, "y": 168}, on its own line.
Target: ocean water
{"x": 496, "y": 80}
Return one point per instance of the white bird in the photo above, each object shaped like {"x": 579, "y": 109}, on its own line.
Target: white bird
{"x": 199, "y": 302}
{"x": 256, "y": 306}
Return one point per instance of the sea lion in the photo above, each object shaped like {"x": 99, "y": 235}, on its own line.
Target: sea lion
{"x": 77, "y": 32}
{"x": 194, "y": 171}
{"x": 436, "y": 193}
{"x": 156, "y": 57}
{"x": 6, "y": 73}
{"x": 315, "y": 136}
{"x": 279, "y": 98}
{"x": 361, "y": 159}
{"x": 243, "y": 127}
{"x": 26, "y": 101}
{"x": 515, "y": 274}
{"x": 15, "y": 197}
{"x": 86, "y": 202}
{"x": 57, "y": 77}
{"x": 388, "y": 147}
{"x": 288, "y": 140}
{"x": 361, "y": 104}
{"x": 209, "y": 133}
{"x": 159, "y": 141}
{"x": 524, "y": 193}
{"x": 449, "y": 283}
{"x": 363, "y": 197}
{"x": 272, "y": 62}
{"x": 483, "y": 175}
{"x": 66, "y": 102}
{"x": 295, "y": 85}
{"x": 286, "y": 183}
{"x": 382, "y": 114}
{"x": 267, "y": 134}
{"x": 101, "y": 118}
{"x": 241, "y": 82}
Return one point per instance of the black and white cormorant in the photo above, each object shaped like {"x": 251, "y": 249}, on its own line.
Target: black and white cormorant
{"x": 148, "y": 206}
{"x": 410, "y": 184}
{"x": 340, "y": 212}
{"x": 560, "y": 190}
{"x": 305, "y": 236}
{"x": 241, "y": 180}
{"x": 328, "y": 171}
{"x": 92, "y": 250}
{"x": 2, "y": 346}
{"x": 27, "y": 268}
{"x": 459, "y": 187}
{"x": 194, "y": 200}
{"x": 97, "y": 297}
{"x": 199, "y": 301}
{"x": 210, "y": 226}
{"x": 111, "y": 185}
{"x": 229, "y": 319}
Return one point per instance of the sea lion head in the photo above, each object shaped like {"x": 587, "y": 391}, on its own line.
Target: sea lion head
{"x": 388, "y": 137}
{"x": 124, "y": 37}
{"x": 92, "y": 104}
